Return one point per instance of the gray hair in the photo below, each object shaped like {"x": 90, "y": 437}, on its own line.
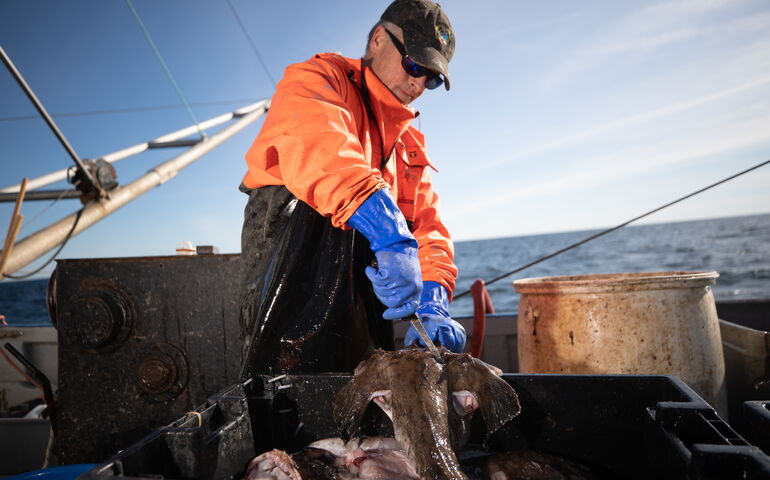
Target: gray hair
{"x": 381, "y": 23}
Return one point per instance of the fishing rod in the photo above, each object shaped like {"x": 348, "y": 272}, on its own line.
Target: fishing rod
{"x": 605, "y": 232}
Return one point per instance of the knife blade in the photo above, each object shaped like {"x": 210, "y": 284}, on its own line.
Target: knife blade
{"x": 417, "y": 324}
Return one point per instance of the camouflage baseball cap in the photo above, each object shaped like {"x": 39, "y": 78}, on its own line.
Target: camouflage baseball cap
{"x": 428, "y": 35}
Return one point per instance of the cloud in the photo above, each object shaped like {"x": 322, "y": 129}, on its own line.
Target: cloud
{"x": 628, "y": 164}
{"x": 652, "y": 28}
{"x": 655, "y": 115}
{"x": 526, "y": 25}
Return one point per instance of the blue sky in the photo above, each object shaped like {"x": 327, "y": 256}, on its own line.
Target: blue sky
{"x": 562, "y": 116}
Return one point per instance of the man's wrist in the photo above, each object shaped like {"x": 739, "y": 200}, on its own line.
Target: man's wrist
{"x": 434, "y": 299}
{"x": 431, "y": 310}
{"x": 407, "y": 248}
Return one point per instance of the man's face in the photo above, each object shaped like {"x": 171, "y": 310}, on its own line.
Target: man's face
{"x": 386, "y": 64}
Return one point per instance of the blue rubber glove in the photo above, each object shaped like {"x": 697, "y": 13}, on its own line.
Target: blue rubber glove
{"x": 434, "y": 315}
{"x": 397, "y": 280}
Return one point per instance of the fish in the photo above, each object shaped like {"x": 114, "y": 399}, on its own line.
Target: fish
{"x": 429, "y": 403}
{"x": 531, "y": 465}
{"x": 368, "y": 458}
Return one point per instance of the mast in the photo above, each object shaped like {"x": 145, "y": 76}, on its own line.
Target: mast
{"x": 37, "y": 244}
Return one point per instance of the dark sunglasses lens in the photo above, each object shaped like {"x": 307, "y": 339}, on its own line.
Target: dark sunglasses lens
{"x": 434, "y": 81}
{"x": 412, "y": 68}
{"x": 418, "y": 71}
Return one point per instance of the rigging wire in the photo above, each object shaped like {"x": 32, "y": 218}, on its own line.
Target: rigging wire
{"x": 251, "y": 42}
{"x": 131, "y": 110}
{"x": 53, "y": 257}
{"x": 47, "y": 207}
{"x": 597, "y": 235}
{"x": 165, "y": 67}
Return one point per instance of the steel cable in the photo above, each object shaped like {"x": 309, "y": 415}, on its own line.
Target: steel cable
{"x": 129, "y": 110}
{"x": 251, "y": 43}
{"x": 165, "y": 67}
{"x": 47, "y": 207}
{"x": 597, "y": 235}
{"x": 53, "y": 257}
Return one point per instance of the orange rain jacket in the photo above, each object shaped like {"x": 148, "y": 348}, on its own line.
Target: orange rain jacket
{"x": 319, "y": 142}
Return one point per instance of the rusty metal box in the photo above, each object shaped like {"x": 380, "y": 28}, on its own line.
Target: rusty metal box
{"x": 141, "y": 341}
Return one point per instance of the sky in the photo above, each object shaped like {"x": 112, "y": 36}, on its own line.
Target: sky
{"x": 562, "y": 115}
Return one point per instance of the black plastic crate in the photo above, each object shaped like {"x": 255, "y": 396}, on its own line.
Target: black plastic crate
{"x": 214, "y": 441}
{"x": 757, "y": 425}
{"x": 624, "y": 426}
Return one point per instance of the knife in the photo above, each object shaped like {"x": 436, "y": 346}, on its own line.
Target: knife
{"x": 417, "y": 324}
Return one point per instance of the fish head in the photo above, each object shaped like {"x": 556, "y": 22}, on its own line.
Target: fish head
{"x": 476, "y": 385}
{"x": 429, "y": 402}
{"x": 388, "y": 379}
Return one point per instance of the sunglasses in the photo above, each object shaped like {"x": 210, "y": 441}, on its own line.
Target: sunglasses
{"x": 414, "y": 69}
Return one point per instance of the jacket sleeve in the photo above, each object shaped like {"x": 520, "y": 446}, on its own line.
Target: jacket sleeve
{"x": 435, "y": 247}
{"x": 309, "y": 141}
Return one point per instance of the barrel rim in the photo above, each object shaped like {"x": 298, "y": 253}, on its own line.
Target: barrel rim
{"x": 619, "y": 280}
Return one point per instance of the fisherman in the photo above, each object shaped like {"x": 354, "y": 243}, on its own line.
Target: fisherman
{"x": 342, "y": 226}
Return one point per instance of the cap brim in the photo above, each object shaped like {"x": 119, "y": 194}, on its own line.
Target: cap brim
{"x": 429, "y": 58}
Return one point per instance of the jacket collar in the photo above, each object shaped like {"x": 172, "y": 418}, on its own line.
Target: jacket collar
{"x": 391, "y": 116}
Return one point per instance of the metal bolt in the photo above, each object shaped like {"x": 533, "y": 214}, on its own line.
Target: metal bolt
{"x": 156, "y": 375}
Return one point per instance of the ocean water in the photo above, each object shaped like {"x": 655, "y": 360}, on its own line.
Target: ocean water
{"x": 738, "y": 248}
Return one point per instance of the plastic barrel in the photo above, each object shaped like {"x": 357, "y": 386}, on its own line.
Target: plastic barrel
{"x": 635, "y": 323}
